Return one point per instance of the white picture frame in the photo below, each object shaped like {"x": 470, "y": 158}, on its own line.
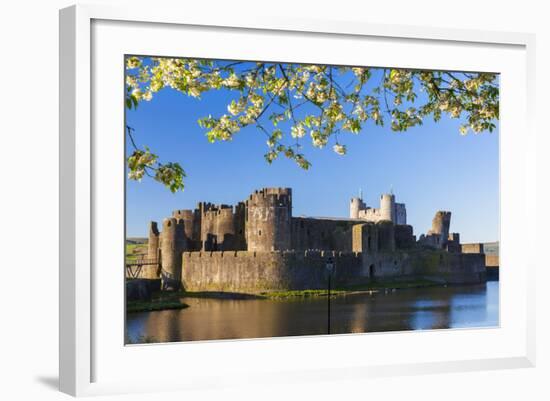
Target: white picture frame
{"x": 93, "y": 361}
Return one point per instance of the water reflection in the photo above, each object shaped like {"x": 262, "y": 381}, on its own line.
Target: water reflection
{"x": 413, "y": 309}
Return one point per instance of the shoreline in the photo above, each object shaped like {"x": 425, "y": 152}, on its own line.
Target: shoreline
{"x": 174, "y": 300}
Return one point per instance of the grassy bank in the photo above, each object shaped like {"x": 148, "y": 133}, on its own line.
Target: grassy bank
{"x": 172, "y": 300}
{"x": 349, "y": 290}
{"x": 338, "y": 291}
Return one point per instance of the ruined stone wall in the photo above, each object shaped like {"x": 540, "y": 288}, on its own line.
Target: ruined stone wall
{"x": 321, "y": 234}
{"x": 472, "y": 248}
{"x": 191, "y": 227}
{"x": 439, "y": 266}
{"x": 370, "y": 214}
{"x": 404, "y": 237}
{"x": 492, "y": 261}
{"x": 240, "y": 227}
{"x": 356, "y": 205}
{"x": 400, "y": 214}
{"x": 222, "y": 227}
{"x": 440, "y": 226}
{"x": 386, "y": 236}
{"x": 268, "y": 220}
{"x": 153, "y": 252}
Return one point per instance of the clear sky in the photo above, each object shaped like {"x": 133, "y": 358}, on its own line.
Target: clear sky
{"x": 430, "y": 167}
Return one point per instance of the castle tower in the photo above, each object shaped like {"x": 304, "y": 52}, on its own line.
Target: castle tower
{"x": 400, "y": 214}
{"x": 440, "y": 226}
{"x": 225, "y": 228}
{"x": 153, "y": 243}
{"x": 172, "y": 244}
{"x": 268, "y": 219}
{"x": 207, "y": 227}
{"x": 387, "y": 207}
{"x": 386, "y": 235}
{"x": 355, "y": 205}
{"x": 240, "y": 226}
{"x": 190, "y": 227}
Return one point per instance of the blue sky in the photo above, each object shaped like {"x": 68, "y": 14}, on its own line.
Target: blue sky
{"x": 430, "y": 167}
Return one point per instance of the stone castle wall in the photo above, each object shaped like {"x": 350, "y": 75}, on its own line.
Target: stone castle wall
{"x": 472, "y": 248}
{"x": 244, "y": 271}
{"x": 253, "y": 272}
{"x": 321, "y": 234}
{"x": 492, "y": 260}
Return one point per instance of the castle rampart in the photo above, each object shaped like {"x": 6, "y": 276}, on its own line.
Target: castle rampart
{"x": 255, "y": 272}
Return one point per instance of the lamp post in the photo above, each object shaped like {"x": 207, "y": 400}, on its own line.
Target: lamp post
{"x": 330, "y": 268}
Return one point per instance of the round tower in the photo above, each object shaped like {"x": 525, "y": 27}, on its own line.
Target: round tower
{"x": 387, "y": 207}
{"x": 172, "y": 245}
{"x": 269, "y": 213}
{"x": 189, "y": 226}
{"x": 225, "y": 228}
{"x": 207, "y": 227}
{"x": 355, "y": 207}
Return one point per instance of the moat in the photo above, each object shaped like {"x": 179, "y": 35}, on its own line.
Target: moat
{"x": 427, "y": 308}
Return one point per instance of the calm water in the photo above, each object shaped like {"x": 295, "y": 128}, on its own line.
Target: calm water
{"x": 410, "y": 309}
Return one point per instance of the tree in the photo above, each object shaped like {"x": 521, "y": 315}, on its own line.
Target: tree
{"x": 289, "y": 102}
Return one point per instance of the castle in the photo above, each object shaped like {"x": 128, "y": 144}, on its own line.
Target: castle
{"x": 258, "y": 245}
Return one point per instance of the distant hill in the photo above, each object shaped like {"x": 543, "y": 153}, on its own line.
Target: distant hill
{"x": 136, "y": 240}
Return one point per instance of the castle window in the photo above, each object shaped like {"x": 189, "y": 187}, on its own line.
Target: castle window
{"x": 259, "y": 232}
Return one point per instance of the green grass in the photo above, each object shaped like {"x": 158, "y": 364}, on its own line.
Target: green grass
{"x": 337, "y": 291}
{"x": 133, "y": 251}
{"x": 349, "y": 290}
{"x": 213, "y": 295}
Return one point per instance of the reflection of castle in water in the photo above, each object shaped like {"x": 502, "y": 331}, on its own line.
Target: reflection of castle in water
{"x": 257, "y": 245}
{"x": 414, "y": 309}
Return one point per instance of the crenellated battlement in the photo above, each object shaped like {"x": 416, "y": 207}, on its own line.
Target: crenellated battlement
{"x": 185, "y": 214}
{"x": 312, "y": 253}
{"x": 271, "y": 196}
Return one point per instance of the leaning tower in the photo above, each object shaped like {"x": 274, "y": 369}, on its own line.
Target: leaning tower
{"x": 268, "y": 217}
{"x": 440, "y": 226}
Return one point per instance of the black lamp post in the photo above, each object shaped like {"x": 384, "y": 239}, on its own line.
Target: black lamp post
{"x": 330, "y": 269}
